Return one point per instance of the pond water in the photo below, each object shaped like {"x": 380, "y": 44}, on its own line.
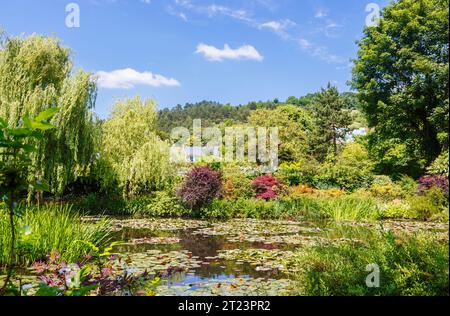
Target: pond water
{"x": 238, "y": 257}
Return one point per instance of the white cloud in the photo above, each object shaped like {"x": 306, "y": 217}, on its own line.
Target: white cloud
{"x": 279, "y": 27}
{"x": 214, "y": 10}
{"x": 172, "y": 11}
{"x": 215, "y": 54}
{"x": 129, "y": 78}
{"x": 285, "y": 29}
{"x": 320, "y": 52}
{"x": 304, "y": 43}
{"x": 236, "y": 14}
{"x": 321, "y": 14}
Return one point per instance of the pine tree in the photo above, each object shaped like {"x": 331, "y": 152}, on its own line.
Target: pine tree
{"x": 332, "y": 121}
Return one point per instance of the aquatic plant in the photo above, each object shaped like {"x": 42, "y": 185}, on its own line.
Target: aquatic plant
{"x": 96, "y": 275}
{"x": 48, "y": 228}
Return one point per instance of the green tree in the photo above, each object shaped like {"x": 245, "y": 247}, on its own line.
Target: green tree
{"x": 332, "y": 121}
{"x": 132, "y": 155}
{"x": 402, "y": 74}
{"x": 295, "y": 128}
{"x": 352, "y": 169}
{"x": 36, "y": 75}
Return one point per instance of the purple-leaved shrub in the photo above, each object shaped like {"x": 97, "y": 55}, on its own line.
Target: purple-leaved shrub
{"x": 438, "y": 181}
{"x": 201, "y": 186}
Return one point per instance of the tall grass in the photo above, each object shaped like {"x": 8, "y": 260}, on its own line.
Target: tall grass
{"x": 414, "y": 265}
{"x": 161, "y": 204}
{"x": 52, "y": 227}
{"x": 350, "y": 207}
{"x": 260, "y": 209}
{"x": 342, "y": 208}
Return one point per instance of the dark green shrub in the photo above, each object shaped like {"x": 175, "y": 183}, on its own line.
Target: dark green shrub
{"x": 94, "y": 203}
{"x": 408, "y": 185}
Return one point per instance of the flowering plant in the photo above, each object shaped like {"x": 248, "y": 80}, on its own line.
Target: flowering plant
{"x": 97, "y": 275}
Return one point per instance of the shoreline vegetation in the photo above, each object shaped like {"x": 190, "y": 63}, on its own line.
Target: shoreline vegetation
{"x": 92, "y": 207}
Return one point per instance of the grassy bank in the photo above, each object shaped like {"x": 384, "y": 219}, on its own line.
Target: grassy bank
{"x": 54, "y": 227}
{"x": 161, "y": 204}
{"x": 409, "y": 265}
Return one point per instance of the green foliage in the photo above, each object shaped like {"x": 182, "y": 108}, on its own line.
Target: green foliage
{"x": 387, "y": 192}
{"x": 15, "y": 163}
{"x": 347, "y": 207}
{"x": 159, "y": 204}
{"x": 433, "y": 205}
{"x": 36, "y": 75}
{"x": 392, "y": 157}
{"x": 440, "y": 165}
{"x": 352, "y": 169}
{"x": 260, "y": 209}
{"x": 350, "y": 207}
{"x": 306, "y": 171}
{"x": 397, "y": 209}
{"x": 237, "y": 185}
{"x": 382, "y": 180}
{"x": 47, "y": 228}
{"x": 409, "y": 265}
{"x": 95, "y": 203}
{"x": 331, "y": 122}
{"x": 133, "y": 157}
{"x": 408, "y": 185}
{"x": 295, "y": 129}
{"x": 291, "y": 173}
{"x": 210, "y": 113}
{"x": 156, "y": 204}
{"x": 404, "y": 87}
{"x": 427, "y": 206}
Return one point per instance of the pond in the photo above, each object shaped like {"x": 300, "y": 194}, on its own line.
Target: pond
{"x": 238, "y": 257}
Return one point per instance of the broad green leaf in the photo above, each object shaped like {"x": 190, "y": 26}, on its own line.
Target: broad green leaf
{"x": 46, "y": 115}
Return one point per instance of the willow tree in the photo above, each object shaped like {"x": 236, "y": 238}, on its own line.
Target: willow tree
{"x": 36, "y": 73}
{"x": 132, "y": 154}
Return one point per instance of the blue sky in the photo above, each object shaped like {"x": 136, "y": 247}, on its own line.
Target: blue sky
{"x": 179, "y": 51}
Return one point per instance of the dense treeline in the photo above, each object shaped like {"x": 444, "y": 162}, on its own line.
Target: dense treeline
{"x": 213, "y": 113}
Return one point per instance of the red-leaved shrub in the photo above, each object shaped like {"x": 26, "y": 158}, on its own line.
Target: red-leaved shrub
{"x": 265, "y": 187}
{"x": 200, "y": 187}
